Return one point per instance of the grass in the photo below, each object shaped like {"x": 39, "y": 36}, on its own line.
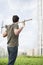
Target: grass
{"x": 24, "y": 60}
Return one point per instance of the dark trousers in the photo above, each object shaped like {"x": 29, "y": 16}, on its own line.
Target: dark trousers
{"x": 12, "y": 54}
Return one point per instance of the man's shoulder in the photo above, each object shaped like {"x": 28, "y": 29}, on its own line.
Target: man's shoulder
{"x": 11, "y": 26}
{"x": 8, "y": 26}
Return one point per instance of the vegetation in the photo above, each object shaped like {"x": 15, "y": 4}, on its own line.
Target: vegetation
{"x": 24, "y": 60}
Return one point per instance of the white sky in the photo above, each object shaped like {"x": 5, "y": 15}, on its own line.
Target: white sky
{"x": 24, "y": 9}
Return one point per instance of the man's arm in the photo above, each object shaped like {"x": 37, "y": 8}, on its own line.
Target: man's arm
{"x": 4, "y": 34}
{"x": 17, "y": 31}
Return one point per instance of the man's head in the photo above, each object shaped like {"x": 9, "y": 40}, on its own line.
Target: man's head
{"x": 15, "y": 18}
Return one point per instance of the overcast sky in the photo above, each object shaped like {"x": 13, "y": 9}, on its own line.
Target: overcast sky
{"x": 25, "y": 9}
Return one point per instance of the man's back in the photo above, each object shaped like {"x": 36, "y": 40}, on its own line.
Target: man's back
{"x": 11, "y": 37}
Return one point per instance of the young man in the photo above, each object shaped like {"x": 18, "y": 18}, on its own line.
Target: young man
{"x": 12, "y": 33}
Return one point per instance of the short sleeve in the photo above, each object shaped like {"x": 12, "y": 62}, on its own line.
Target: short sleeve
{"x": 16, "y": 26}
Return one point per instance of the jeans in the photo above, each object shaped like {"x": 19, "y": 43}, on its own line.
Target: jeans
{"x": 12, "y": 54}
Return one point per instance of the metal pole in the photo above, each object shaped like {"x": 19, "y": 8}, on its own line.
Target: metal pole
{"x": 19, "y": 22}
{"x": 41, "y": 27}
{"x": 2, "y": 26}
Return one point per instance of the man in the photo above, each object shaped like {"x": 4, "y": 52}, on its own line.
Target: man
{"x": 12, "y": 33}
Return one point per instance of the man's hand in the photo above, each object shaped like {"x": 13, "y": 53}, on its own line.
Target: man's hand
{"x": 23, "y": 24}
{"x": 4, "y": 34}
